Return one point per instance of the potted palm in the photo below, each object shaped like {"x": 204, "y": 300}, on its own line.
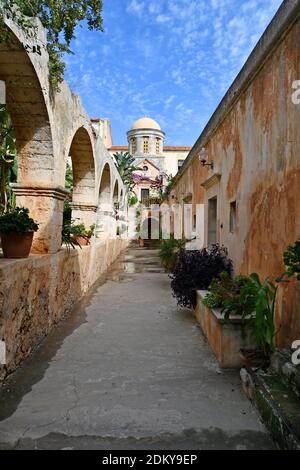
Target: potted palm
{"x": 16, "y": 231}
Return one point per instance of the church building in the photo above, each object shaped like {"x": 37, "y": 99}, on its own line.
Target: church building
{"x": 146, "y": 144}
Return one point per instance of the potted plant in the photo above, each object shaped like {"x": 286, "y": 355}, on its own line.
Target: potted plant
{"x": 82, "y": 235}
{"x": 76, "y": 235}
{"x": 16, "y": 230}
{"x": 169, "y": 250}
{"x": 224, "y": 293}
{"x": 256, "y": 303}
{"x": 141, "y": 242}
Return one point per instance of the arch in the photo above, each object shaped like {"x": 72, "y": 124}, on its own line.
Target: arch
{"x": 104, "y": 216}
{"x": 26, "y": 100}
{"x": 105, "y": 188}
{"x": 150, "y": 228}
{"x": 83, "y": 168}
{"x": 27, "y": 107}
{"x": 116, "y": 193}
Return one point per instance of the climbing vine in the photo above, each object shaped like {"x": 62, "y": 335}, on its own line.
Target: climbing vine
{"x": 60, "y": 19}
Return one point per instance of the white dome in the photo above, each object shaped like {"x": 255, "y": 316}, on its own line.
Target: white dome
{"x": 146, "y": 123}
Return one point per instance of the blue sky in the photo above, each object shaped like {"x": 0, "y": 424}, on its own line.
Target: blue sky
{"x": 172, "y": 60}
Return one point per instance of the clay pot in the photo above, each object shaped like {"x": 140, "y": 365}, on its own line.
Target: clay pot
{"x": 141, "y": 243}
{"x": 83, "y": 241}
{"x": 16, "y": 245}
{"x": 252, "y": 358}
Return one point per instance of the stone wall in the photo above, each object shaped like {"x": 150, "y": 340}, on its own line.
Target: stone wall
{"x": 35, "y": 293}
{"x": 253, "y": 140}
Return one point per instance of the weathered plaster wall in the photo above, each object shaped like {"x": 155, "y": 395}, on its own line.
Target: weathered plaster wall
{"x": 35, "y": 293}
{"x": 254, "y": 141}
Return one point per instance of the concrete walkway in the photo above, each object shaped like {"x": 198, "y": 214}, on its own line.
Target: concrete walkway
{"x": 127, "y": 370}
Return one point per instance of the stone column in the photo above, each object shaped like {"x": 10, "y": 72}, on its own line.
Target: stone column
{"x": 84, "y": 214}
{"x": 46, "y": 205}
{"x": 139, "y": 144}
{"x": 152, "y": 145}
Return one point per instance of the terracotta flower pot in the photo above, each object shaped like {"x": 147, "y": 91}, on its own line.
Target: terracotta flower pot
{"x": 141, "y": 243}
{"x": 82, "y": 241}
{"x": 16, "y": 245}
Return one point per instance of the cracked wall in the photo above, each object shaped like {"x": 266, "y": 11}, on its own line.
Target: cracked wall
{"x": 254, "y": 141}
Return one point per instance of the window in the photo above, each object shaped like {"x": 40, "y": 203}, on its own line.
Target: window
{"x": 133, "y": 145}
{"x": 146, "y": 145}
{"x": 212, "y": 221}
{"x": 145, "y": 194}
{"x": 180, "y": 163}
{"x": 233, "y": 217}
{"x": 157, "y": 145}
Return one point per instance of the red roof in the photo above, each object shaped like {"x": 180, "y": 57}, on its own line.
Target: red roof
{"x": 177, "y": 147}
{"x": 119, "y": 147}
{"x": 166, "y": 148}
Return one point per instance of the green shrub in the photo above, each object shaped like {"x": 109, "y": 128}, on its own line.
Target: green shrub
{"x": 195, "y": 269}
{"x": 225, "y": 288}
{"x": 169, "y": 250}
{"x": 291, "y": 259}
{"x": 132, "y": 199}
{"x": 17, "y": 220}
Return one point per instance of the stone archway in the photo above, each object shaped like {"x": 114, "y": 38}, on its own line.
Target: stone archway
{"x": 150, "y": 229}
{"x": 105, "y": 207}
{"x": 116, "y": 199}
{"x": 35, "y": 187}
{"x": 83, "y": 169}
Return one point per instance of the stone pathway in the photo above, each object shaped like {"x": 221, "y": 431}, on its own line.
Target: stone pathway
{"x": 127, "y": 370}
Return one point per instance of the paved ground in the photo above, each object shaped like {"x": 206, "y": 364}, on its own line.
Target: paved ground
{"x": 127, "y": 370}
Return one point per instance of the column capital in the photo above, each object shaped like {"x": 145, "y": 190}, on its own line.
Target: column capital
{"x": 40, "y": 190}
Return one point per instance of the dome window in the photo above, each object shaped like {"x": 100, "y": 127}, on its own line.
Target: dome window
{"x": 146, "y": 144}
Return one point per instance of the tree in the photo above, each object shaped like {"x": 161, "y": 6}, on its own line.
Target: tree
{"x": 69, "y": 180}
{"x": 8, "y": 153}
{"x": 60, "y": 19}
{"x": 126, "y": 167}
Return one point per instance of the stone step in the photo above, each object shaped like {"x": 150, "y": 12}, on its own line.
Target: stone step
{"x": 277, "y": 404}
{"x": 282, "y": 365}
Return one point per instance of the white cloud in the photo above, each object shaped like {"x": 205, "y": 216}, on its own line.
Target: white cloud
{"x": 163, "y": 18}
{"x": 171, "y": 59}
{"x": 135, "y": 7}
